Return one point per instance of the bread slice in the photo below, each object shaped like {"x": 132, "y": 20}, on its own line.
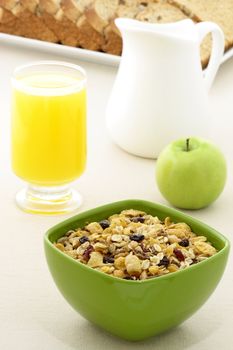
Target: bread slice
{"x": 8, "y": 4}
{"x": 9, "y": 24}
{"x": 161, "y": 13}
{"x": 55, "y": 19}
{"x": 113, "y": 41}
{"x": 72, "y": 9}
{"x": 218, "y": 11}
{"x": 31, "y": 24}
{"x": 67, "y": 20}
{"x": 67, "y": 30}
{"x": 90, "y": 39}
{"x": 100, "y": 13}
{"x": 25, "y": 21}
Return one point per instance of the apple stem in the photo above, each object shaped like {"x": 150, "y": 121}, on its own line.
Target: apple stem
{"x": 187, "y": 145}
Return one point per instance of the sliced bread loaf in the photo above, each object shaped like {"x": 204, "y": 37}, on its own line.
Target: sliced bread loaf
{"x": 8, "y": 4}
{"x": 71, "y": 9}
{"x": 100, "y": 13}
{"x": 27, "y": 23}
{"x": 9, "y": 24}
{"x": 161, "y": 13}
{"x": 90, "y": 38}
{"x": 55, "y": 19}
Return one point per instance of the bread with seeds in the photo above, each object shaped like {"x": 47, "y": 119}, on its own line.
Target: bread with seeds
{"x": 27, "y": 21}
{"x": 56, "y": 20}
{"x": 100, "y": 12}
{"x": 218, "y": 11}
{"x": 88, "y": 37}
{"x": 9, "y": 24}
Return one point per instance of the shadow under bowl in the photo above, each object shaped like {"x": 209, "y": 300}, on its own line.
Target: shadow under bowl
{"x": 135, "y": 310}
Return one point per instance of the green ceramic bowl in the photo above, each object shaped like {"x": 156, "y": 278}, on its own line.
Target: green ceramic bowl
{"x": 135, "y": 310}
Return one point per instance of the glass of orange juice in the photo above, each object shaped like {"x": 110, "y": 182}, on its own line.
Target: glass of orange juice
{"x": 49, "y": 134}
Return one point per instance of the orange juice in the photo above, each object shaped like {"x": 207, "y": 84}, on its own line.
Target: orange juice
{"x": 48, "y": 129}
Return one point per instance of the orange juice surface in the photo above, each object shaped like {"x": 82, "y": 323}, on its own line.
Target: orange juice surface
{"x": 48, "y": 129}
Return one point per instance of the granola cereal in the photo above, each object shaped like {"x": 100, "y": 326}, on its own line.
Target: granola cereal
{"x": 135, "y": 245}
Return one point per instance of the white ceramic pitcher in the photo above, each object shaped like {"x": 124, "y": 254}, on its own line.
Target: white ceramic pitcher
{"x": 161, "y": 92}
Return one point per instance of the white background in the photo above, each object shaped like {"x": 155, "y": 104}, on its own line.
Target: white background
{"x": 33, "y": 314}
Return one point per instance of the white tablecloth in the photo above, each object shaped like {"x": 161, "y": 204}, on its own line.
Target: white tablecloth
{"x": 33, "y": 314}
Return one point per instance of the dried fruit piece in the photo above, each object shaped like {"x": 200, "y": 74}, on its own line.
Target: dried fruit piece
{"x": 164, "y": 261}
{"x": 178, "y": 253}
{"x": 104, "y": 224}
{"x": 137, "y": 237}
{"x": 184, "y": 242}
{"x": 83, "y": 239}
{"x": 108, "y": 260}
{"x": 87, "y": 252}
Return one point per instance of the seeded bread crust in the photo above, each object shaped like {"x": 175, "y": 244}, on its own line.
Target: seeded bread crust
{"x": 55, "y": 19}
{"x": 8, "y": 4}
{"x": 100, "y": 13}
{"x": 113, "y": 41}
{"x": 27, "y": 20}
{"x": 90, "y": 38}
{"x": 71, "y": 10}
{"x": 87, "y": 37}
{"x": 218, "y": 11}
{"x": 161, "y": 13}
{"x": 9, "y": 24}
{"x": 35, "y": 28}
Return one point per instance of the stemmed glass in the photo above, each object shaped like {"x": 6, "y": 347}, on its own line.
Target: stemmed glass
{"x": 48, "y": 134}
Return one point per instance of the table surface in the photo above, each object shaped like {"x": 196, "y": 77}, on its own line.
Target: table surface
{"x": 33, "y": 314}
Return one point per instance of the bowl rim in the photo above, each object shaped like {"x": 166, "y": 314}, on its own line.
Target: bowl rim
{"x": 224, "y": 250}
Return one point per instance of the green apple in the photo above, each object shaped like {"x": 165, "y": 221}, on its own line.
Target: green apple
{"x": 191, "y": 173}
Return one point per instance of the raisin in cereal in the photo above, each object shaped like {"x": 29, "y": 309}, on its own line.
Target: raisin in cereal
{"x": 134, "y": 245}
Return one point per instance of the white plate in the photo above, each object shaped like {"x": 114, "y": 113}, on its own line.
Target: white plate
{"x": 67, "y": 51}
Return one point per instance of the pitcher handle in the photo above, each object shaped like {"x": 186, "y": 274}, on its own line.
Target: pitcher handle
{"x": 217, "y": 49}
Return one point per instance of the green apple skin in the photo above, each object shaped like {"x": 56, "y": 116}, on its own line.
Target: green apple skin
{"x": 193, "y": 177}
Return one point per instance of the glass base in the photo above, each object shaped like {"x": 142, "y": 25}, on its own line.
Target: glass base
{"x": 48, "y": 200}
